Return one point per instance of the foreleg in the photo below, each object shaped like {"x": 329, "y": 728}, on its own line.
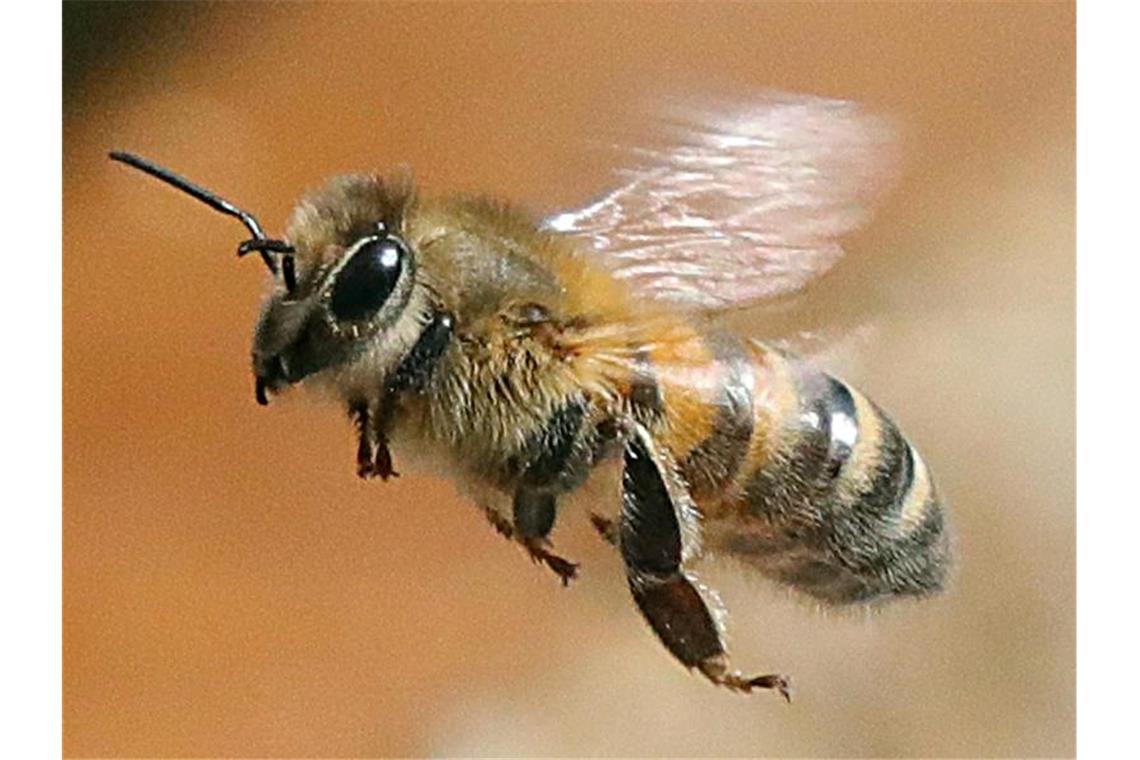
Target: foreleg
{"x": 373, "y": 457}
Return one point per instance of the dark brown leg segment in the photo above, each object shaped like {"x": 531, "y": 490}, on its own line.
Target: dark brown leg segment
{"x": 362, "y": 419}
{"x": 373, "y": 457}
{"x": 554, "y": 459}
{"x": 533, "y": 520}
{"x": 606, "y": 528}
{"x": 649, "y": 534}
{"x": 534, "y": 513}
{"x": 382, "y": 462}
{"x": 502, "y": 525}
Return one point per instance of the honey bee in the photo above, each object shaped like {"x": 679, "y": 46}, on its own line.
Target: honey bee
{"x": 525, "y": 353}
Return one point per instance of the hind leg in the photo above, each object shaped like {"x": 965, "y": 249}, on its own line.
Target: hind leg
{"x": 650, "y": 538}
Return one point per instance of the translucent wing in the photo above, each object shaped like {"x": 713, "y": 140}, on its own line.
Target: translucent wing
{"x": 740, "y": 204}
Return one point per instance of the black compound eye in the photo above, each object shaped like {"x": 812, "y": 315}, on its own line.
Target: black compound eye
{"x": 365, "y": 282}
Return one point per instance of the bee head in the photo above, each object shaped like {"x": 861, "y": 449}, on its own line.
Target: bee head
{"x": 355, "y": 276}
{"x": 343, "y": 279}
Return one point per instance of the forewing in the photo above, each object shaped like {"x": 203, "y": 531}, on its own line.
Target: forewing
{"x": 737, "y": 205}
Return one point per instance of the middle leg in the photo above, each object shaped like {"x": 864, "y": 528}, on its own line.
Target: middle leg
{"x": 529, "y": 526}
{"x": 553, "y": 460}
{"x": 534, "y": 513}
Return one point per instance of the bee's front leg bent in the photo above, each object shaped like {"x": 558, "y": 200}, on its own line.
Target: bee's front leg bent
{"x": 373, "y": 457}
{"x": 649, "y": 536}
{"x": 365, "y": 439}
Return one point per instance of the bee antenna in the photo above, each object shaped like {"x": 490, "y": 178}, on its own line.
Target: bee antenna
{"x": 260, "y": 242}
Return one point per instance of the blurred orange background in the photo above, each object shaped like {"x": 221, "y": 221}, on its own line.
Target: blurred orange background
{"x": 231, "y": 588}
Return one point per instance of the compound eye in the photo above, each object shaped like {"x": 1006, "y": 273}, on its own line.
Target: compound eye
{"x": 365, "y": 282}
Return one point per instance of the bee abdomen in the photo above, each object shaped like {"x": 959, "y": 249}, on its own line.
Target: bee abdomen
{"x": 714, "y": 462}
{"x": 843, "y": 507}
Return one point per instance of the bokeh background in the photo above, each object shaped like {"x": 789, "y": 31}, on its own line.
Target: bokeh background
{"x": 230, "y": 587}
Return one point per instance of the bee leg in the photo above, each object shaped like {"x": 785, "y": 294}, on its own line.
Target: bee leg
{"x": 650, "y": 539}
{"x": 502, "y": 525}
{"x": 553, "y": 460}
{"x": 535, "y": 545}
{"x": 373, "y": 457}
{"x": 381, "y": 424}
{"x": 534, "y": 513}
{"x": 607, "y": 528}
{"x": 382, "y": 462}
{"x": 365, "y": 443}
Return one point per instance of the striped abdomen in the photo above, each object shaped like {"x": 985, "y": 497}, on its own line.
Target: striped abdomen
{"x": 803, "y": 477}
